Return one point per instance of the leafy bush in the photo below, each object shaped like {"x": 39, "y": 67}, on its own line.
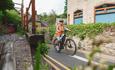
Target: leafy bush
{"x": 37, "y": 59}
{"x": 89, "y": 30}
{"x": 41, "y": 30}
{"x": 41, "y": 50}
{"x": 52, "y": 30}
{"x": 84, "y": 30}
{"x": 2, "y": 29}
{"x": 6, "y": 4}
{"x": 13, "y": 18}
{"x": 1, "y": 15}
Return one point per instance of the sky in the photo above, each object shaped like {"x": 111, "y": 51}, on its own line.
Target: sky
{"x": 45, "y": 5}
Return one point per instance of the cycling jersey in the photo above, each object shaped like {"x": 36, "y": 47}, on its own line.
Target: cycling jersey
{"x": 59, "y": 30}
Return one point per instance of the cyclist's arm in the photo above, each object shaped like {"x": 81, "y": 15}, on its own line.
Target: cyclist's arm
{"x": 67, "y": 29}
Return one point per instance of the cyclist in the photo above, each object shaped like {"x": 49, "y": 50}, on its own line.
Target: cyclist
{"x": 59, "y": 32}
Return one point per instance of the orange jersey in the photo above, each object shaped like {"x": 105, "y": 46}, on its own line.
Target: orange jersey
{"x": 59, "y": 30}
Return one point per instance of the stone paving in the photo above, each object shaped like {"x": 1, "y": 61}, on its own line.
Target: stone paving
{"x": 21, "y": 53}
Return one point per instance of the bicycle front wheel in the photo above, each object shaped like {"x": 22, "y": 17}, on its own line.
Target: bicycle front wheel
{"x": 70, "y": 46}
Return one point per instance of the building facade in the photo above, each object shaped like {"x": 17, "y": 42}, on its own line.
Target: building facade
{"x": 91, "y": 11}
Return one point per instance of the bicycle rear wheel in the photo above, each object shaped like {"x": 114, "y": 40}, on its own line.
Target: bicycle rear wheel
{"x": 70, "y": 46}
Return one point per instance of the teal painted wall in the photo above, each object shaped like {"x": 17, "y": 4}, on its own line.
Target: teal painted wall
{"x": 78, "y": 20}
{"x": 105, "y": 18}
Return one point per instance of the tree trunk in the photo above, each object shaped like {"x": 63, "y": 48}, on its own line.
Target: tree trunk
{"x": 4, "y": 18}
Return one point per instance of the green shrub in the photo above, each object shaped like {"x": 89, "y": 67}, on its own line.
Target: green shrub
{"x": 52, "y": 30}
{"x": 1, "y": 15}
{"x": 90, "y": 30}
{"x": 42, "y": 30}
{"x": 41, "y": 51}
{"x": 14, "y": 18}
{"x": 84, "y": 30}
{"x": 37, "y": 59}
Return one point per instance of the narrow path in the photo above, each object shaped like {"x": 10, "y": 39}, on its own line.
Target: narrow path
{"x": 71, "y": 61}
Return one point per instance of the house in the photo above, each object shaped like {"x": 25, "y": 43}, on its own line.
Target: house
{"x": 91, "y": 11}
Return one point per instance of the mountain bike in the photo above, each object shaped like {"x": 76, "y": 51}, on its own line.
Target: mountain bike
{"x": 65, "y": 43}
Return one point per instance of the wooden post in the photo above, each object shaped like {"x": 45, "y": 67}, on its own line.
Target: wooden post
{"x": 22, "y": 16}
{"x": 27, "y": 21}
{"x": 24, "y": 21}
{"x": 33, "y": 17}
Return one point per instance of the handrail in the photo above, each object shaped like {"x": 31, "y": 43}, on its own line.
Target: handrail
{"x": 52, "y": 61}
{"x": 49, "y": 62}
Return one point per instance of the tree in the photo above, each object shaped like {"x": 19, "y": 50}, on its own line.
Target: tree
{"x": 52, "y": 18}
{"x": 6, "y": 5}
{"x": 1, "y": 15}
{"x": 13, "y": 17}
{"x": 49, "y": 18}
{"x": 43, "y": 17}
{"x": 65, "y": 9}
{"x": 64, "y": 14}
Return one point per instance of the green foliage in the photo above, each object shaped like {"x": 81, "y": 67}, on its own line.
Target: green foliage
{"x": 2, "y": 29}
{"x": 1, "y": 15}
{"x": 111, "y": 67}
{"x": 91, "y": 66}
{"x": 49, "y": 18}
{"x": 91, "y": 55}
{"x": 6, "y": 5}
{"x": 64, "y": 14}
{"x": 75, "y": 68}
{"x": 52, "y": 30}
{"x": 65, "y": 9}
{"x": 41, "y": 50}
{"x": 42, "y": 30}
{"x": 84, "y": 30}
{"x": 88, "y": 30}
{"x": 37, "y": 59}
{"x": 52, "y": 18}
{"x": 13, "y": 17}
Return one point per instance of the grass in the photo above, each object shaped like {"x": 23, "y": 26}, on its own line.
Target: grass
{"x": 42, "y": 49}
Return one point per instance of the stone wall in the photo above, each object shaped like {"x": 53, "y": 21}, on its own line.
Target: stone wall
{"x": 87, "y": 6}
{"x": 105, "y": 41}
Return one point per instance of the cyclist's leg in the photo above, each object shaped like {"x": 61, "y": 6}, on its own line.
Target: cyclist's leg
{"x": 57, "y": 46}
{"x": 62, "y": 38}
{"x": 53, "y": 39}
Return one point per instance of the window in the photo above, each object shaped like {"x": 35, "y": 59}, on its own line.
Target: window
{"x": 105, "y": 13}
{"x": 78, "y": 17}
{"x": 105, "y": 8}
